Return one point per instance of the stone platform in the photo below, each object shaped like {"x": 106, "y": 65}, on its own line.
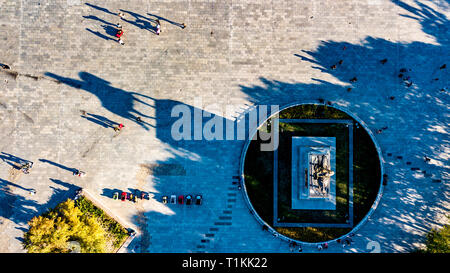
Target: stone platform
{"x": 303, "y": 196}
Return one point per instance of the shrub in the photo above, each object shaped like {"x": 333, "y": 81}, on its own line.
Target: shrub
{"x": 438, "y": 241}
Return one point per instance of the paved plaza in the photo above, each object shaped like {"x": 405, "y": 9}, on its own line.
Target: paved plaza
{"x": 70, "y": 82}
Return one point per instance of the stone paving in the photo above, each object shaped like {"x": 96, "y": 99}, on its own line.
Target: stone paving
{"x": 64, "y": 60}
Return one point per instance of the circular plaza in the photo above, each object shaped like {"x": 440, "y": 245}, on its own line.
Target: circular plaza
{"x": 321, "y": 178}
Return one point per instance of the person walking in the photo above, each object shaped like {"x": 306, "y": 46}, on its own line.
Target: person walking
{"x": 158, "y": 27}
{"x": 291, "y": 247}
{"x": 119, "y": 34}
{"x": 26, "y": 167}
{"x": 79, "y": 173}
{"x": 118, "y": 128}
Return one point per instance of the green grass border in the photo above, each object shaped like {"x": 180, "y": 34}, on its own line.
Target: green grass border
{"x": 338, "y": 130}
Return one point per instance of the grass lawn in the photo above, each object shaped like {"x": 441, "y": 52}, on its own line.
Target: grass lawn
{"x": 258, "y": 172}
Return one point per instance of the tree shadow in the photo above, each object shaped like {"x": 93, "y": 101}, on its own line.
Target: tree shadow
{"x": 415, "y": 114}
{"x": 59, "y": 195}
{"x": 19, "y": 209}
{"x": 422, "y": 104}
{"x": 415, "y": 110}
{"x": 12, "y": 204}
{"x": 115, "y": 100}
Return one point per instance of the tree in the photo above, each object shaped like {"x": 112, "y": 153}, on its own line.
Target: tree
{"x": 438, "y": 241}
{"x": 51, "y": 232}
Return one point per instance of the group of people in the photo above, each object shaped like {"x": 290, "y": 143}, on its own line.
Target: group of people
{"x": 344, "y": 242}
{"x": 119, "y": 33}
{"x": 25, "y": 167}
{"x": 293, "y": 245}
{"x": 119, "y": 127}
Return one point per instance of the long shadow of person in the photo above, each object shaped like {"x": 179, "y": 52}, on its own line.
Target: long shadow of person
{"x": 100, "y": 8}
{"x": 100, "y": 120}
{"x": 100, "y": 35}
{"x": 112, "y": 31}
{"x": 93, "y": 17}
{"x": 12, "y": 160}
{"x": 140, "y": 21}
{"x": 115, "y": 100}
{"x": 58, "y": 165}
{"x": 167, "y": 20}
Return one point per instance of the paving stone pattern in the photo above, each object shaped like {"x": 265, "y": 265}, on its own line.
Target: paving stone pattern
{"x": 65, "y": 61}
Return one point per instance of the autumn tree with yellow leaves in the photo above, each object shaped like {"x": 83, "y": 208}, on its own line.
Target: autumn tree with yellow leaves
{"x": 51, "y": 232}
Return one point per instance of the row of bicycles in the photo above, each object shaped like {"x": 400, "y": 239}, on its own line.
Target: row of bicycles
{"x": 183, "y": 199}
{"x": 129, "y": 196}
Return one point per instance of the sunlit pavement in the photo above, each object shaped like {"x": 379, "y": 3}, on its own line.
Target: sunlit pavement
{"x": 231, "y": 53}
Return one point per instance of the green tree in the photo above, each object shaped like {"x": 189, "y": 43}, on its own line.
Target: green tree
{"x": 438, "y": 241}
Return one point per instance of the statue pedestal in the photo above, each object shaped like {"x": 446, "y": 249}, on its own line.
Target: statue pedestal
{"x": 313, "y": 173}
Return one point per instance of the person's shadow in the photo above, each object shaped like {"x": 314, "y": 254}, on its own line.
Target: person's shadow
{"x": 72, "y": 170}
{"x": 100, "y": 8}
{"x": 100, "y": 120}
{"x": 167, "y": 20}
{"x": 13, "y": 160}
{"x": 140, "y": 21}
{"x": 103, "y": 36}
{"x": 93, "y": 17}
